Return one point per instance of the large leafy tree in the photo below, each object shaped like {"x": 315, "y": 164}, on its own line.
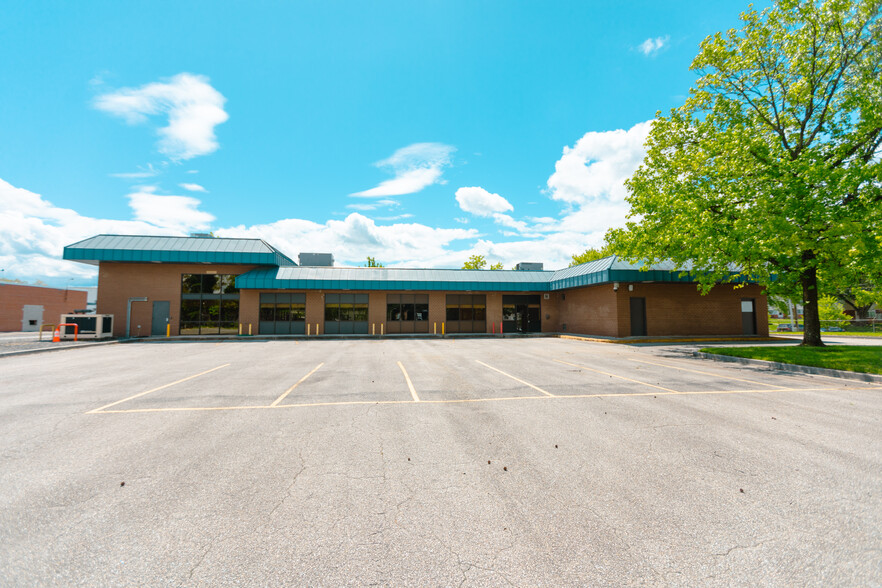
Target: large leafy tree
{"x": 772, "y": 165}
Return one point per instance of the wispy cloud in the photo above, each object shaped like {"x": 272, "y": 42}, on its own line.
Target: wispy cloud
{"x": 192, "y": 187}
{"x": 145, "y": 172}
{"x": 415, "y": 167}
{"x": 651, "y": 47}
{"x": 193, "y": 107}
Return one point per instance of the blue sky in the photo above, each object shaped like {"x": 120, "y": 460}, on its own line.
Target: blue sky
{"x": 418, "y": 133}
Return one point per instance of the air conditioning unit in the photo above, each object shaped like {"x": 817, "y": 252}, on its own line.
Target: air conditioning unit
{"x": 89, "y": 326}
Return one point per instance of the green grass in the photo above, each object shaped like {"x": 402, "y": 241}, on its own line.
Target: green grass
{"x": 854, "y": 358}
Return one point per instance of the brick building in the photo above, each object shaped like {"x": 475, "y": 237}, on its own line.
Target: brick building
{"x": 203, "y": 286}
{"x": 25, "y": 308}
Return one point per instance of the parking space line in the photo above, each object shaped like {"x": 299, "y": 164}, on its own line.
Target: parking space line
{"x": 157, "y": 389}
{"x": 616, "y": 376}
{"x": 300, "y": 381}
{"x": 409, "y": 383}
{"x": 673, "y": 367}
{"x": 472, "y": 400}
{"x": 516, "y": 379}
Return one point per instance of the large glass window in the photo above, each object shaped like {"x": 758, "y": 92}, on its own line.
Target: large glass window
{"x": 209, "y": 304}
{"x": 346, "y": 314}
{"x": 282, "y": 314}
{"x": 466, "y": 313}
{"x": 407, "y": 313}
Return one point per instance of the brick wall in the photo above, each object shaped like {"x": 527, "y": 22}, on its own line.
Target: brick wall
{"x": 679, "y": 309}
{"x": 671, "y": 309}
{"x": 117, "y": 282}
{"x": 588, "y": 311}
{"x": 55, "y": 302}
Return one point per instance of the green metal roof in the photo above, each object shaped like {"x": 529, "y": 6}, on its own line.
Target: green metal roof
{"x": 134, "y": 248}
{"x": 284, "y": 274}
{"x": 366, "y": 278}
{"x": 607, "y": 270}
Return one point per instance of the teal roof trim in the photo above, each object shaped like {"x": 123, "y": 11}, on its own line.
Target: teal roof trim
{"x": 602, "y": 271}
{"x": 144, "y": 249}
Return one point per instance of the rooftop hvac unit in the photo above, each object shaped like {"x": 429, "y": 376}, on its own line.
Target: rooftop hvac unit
{"x": 91, "y": 326}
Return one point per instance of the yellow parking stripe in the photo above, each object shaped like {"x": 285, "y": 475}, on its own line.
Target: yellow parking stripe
{"x": 300, "y": 381}
{"x": 516, "y": 379}
{"x": 156, "y": 389}
{"x": 616, "y": 376}
{"x": 469, "y": 400}
{"x": 409, "y": 383}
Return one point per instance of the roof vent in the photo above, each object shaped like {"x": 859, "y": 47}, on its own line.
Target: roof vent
{"x": 202, "y": 235}
{"x": 527, "y": 266}
{"x": 316, "y": 259}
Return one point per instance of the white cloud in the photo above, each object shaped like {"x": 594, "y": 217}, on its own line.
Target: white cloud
{"x": 651, "y": 46}
{"x": 587, "y": 180}
{"x": 192, "y": 187}
{"x": 477, "y": 200}
{"x": 145, "y": 172}
{"x": 193, "y": 107}
{"x": 355, "y": 237}
{"x": 596, "y": 167}
{"x": 415, "y": 167}
{"x": 365, "y": 206}
{"x": 33, "y": 231}
{"x": 178, "y": 213}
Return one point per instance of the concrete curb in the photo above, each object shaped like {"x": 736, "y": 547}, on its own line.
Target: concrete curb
{"x": 62, "y": 348}
{"x": 792, "y": 367}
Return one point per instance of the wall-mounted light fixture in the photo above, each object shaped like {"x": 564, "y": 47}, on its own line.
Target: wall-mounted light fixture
{"x": 615, "y": 286}
{"x": 630, "y": 287}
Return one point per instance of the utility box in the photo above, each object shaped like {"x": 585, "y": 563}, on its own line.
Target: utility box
{"x": 91, "y": 326}
{"x": 526, "y": 266}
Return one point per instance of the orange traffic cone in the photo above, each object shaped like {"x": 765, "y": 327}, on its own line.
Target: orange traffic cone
{"x": 56, "y": 336}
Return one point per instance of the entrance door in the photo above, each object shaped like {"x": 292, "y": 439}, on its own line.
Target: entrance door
{"x": 638, "y": 317}
{"x": 31, "y": 317}
{"x": 160, "y": 317}
{"x": 748, "y": 316}
{"x": 521, "y": 313}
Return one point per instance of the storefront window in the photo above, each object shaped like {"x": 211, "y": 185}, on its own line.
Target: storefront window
{"x": 209, "y": 304}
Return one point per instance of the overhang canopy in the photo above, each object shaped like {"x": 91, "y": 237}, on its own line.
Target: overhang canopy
{"x": 148, "y": 249}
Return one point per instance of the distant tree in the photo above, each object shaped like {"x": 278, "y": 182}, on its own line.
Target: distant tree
{"x": 592, "y": 254}
{"x": 830, "y": 309}
{"x": 371, "y": 262}
{"x": 475, "y": 262}
{"x": 861, "y": 297}
{"x": 772, "y": 164}
{"x": 497, "y": 266}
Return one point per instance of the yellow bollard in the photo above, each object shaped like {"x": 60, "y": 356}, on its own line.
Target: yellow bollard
{"x": 249, "y": 329}
{"x": 240, "y": 329}
{"x": 435, "y": 328}
{"x": 168, "y": 330}
{"x": 316, "y": 329}
{"x": 373, "y": 328}
{"x": 382, "y": 328}
{"x": 442, "y": 328}
{"x": 308, "y": 329}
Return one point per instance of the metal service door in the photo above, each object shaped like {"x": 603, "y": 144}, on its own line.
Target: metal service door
{"x": 31, "y": 317}
{"x": 748, "y": 316}
{"x": 638, "y": 317}
{"x": 160, "y": 317}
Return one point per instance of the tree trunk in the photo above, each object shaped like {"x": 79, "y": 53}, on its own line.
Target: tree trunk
{"x": 811, "y": 336}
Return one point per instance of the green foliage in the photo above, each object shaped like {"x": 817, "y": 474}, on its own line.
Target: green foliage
{"x": 771, "y": 166}
{"x": 497, "y": 266}
{"x": 830, "y": 309}
{"x": 475, "y": 262}
{"x": 592, "y": 254}
{"x": 371, "y": 262}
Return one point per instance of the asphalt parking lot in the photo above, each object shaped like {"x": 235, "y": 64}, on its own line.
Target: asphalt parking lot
{"x": 432, "y": 462}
